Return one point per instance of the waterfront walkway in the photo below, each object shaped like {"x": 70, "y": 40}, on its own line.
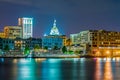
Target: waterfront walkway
{"x": 40, "y": 56}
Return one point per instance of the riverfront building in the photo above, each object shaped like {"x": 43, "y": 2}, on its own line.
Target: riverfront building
{"x": 51, "y": 41}
{"x": 13, "y": 32}
{"x": 54, "y": 38}
{"x": 99, "y": 42}
{"x": 20, "y": 44}
{"x": 27, "y": 27}
{"x": 6, "y": 42}
{"x": 30, "y": 42}
{"x": 2, "y": 35}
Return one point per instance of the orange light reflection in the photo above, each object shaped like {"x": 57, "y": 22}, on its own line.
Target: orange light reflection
{"x": 107, "y": 71}
{"x": 98, "y": 70}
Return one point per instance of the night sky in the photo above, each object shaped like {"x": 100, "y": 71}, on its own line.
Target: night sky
{"x": 72, "y": 16}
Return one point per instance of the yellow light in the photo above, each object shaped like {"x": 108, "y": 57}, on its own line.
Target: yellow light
{"x": 98, "y": 53}
{"x": 107, "y": 71}
{"x": 107, "y": 52}
{"x": 15, "y": 61}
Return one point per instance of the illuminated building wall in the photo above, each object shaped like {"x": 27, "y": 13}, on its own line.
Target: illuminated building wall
{"x": 80, "y": 41}
{"x": 8, "y": 42}
{"x": 27, "y": 27}
{"x": 52, "y": 41}
{"x": 13, "y": 32}
{"x": 74, "y": 38}
{"x": 82, "y": 37}
{"x": 2, "y": 35}
{"x": 54, "y": 38}
{"x": 64, "y": 39}
{"x": 54, "y": 30}
{"x": 30, "y": 42}
{"x": 98, "y": 41}
{"x": 68, "y": 44}
{"x": 106, "y": 42}
{"x": 19, "y": 44}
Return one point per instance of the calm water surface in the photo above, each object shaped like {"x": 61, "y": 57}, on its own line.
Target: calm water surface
{"x": 60, "y": 69}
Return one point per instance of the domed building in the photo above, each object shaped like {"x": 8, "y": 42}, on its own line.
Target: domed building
{"x": 54, "y": 39}
{"x": 54, "y": 30}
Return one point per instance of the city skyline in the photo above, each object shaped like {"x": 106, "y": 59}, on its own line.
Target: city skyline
{"x": 72, "y": 16}
{"x": 59, "y": 39}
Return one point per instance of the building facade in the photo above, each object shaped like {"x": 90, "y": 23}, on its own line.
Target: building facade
{"x": 99, "y": 42}
{"x": 54, "y": 38}
{"x": 6, "y": 42}
{"x": 54, "y": 30}
{"x": 68, "y": 42}
{"x": 80, "y": 41}
{"x": 20, "y": 44}
{"x": 27, "y": 27}
{"x": 51, "y": 41}
{"x": 13, "y": 32}
{"x": 2, "y": 35}
{"x": 32, "y": 42}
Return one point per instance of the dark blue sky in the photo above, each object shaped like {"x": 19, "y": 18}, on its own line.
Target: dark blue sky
{"x": 72, "y": 16}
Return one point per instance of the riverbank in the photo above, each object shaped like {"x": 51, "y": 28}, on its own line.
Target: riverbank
{"x": 54, "y": 56}
{"x": 42, "y": 56}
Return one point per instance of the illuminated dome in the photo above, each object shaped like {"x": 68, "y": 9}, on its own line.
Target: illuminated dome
{"x": 54, "y": 30}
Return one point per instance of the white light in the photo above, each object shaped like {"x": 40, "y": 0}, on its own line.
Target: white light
{"x": 45, "y": 35}
{"x": 25, "y": 60}
{"x": 54, "y": 30}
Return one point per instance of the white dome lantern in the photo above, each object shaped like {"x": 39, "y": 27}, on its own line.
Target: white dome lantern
{"x": 54, "y": 30}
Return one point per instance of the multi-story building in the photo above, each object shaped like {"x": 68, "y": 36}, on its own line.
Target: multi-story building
{"x": 99, "y": 41}
{"x": 68, "y": 42}
{"x": 12, "y": 32}
{"x": 20, "y": 44}
{"x": 107, "y": 42}
{"x": 27, "y": 27}
{"x": 55, "y": 32}
{"x": 32, "y": 42}
{"x": 6, "y": 42}
{"x": 54, "y": 38}
{"x": 2, "y": 35}
{"x": 51, "y": 41}
{"x": 64, "y": 39}
{"x": 82, "y": 37}
{"x": 74, "y": 38}
{"x": 80, "y": 41}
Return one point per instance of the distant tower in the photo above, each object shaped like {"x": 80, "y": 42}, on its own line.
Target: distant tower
{"x": 54, "y": 30}
{"x": 27, "y": 27}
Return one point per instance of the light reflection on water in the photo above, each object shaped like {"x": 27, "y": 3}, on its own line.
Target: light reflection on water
{"x": 108, "y": 71}
{"x": 98, "y": 75}
{"x": 60, "y": 69}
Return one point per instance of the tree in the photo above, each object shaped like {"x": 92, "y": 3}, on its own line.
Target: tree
{"x": 70, "y": 52}
{"x": 36, "y": 47}
{"x": 64, "y": 49}
{"x": 55, "y": 48}
{"x": 46, "y": 47}
{"x": 6, "y": 48}
{"x": 27, "y": 50}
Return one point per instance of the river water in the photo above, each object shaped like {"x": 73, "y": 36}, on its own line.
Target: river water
{"x": 60, "y": 69}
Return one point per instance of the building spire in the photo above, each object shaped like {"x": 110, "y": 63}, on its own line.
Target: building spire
{"x": 54, "y": 30}
{"x": 54, "y": 25}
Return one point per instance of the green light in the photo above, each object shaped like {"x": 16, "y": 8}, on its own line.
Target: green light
{"x": 26, "y": 51}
